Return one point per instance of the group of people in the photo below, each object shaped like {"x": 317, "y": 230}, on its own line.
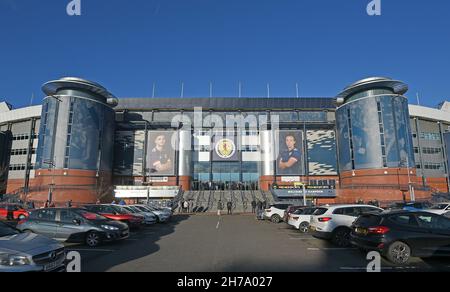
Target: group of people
{"x": 186, "y": 206}
{"x": 222, "y": 186}
{"x": 258, "y": 208}
{"x": 229, "y": 207}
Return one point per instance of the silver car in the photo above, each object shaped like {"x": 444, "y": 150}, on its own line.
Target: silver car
{"x": 161, "y": 215}
{"x": 149, "y": 217}
{"x": 27, "y": 252}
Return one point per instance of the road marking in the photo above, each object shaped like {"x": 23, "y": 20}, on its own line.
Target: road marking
{"x": 98, "y": 250}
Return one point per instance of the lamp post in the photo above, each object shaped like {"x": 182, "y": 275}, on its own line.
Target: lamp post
{"x": 51, "y": 165}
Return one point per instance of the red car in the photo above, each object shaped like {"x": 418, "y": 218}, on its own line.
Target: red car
{"x": 13, "y": 212}
{"x": 115, "y": 212}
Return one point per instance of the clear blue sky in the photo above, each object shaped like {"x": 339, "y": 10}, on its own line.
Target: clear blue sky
{"x": 127, "y": 45}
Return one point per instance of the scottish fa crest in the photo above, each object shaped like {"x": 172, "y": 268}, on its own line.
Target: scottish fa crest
{"x": 225, "y": 148}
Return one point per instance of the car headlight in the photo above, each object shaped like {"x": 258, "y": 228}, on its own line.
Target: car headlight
{"x": 10, "y": 260}
{"x": 109, "y": 227}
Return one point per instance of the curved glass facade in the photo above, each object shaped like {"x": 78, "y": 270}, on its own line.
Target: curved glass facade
{"x": 374, "y": 132}
{"x": 76, "y": 133}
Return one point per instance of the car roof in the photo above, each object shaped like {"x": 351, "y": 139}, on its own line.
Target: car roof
{"x": 404, "y": 212}
{"x": 348, "y": 206}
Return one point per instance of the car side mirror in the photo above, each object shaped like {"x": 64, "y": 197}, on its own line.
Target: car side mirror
{"x": 77, "y": 221}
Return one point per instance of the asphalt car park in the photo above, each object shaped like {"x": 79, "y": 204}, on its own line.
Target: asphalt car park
{"x": 235, "y": 243}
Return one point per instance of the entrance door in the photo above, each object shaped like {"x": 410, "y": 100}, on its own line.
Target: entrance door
{"x": 226, "y": 175}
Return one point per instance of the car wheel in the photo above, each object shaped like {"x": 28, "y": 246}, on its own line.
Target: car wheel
{"x": 275, "y": 219}
{"x": 399, "y": 253}
{"x": 22, "y": 217}
{"x": 341, "y": 237}
{"x": 93, "y": 239}
{"x": 304, "y": 227}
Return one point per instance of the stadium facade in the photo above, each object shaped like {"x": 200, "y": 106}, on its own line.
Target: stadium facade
{"x": 84, "y": 144}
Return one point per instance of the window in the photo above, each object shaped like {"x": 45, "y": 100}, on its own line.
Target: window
{"x": 46, "y": 215}
{"x": 430, "y": 150}
{"x": 404, "y": 220}
{"x": 433, "y": 166}
{"x": 428, "y": 221}
{"x": 67, "y": 216}
{"x": 430, "y": 136}
{"x": 350, "y": 211}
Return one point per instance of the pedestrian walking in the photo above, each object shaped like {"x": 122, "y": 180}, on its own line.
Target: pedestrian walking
{"x": 69, "y": 204}
{"x": 186, "y": 207}
{"x": 180, "y": 207}
{"x": 253, "y": 207}
{"x": 229, "y": 207}
{"x": 47, "y": 204}
{"x": 191, "y": 206}
{"x": 219, "y": 207}
{"x": 259, "y": 210}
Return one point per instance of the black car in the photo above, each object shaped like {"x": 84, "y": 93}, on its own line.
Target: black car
{"x": 398, "y": 235}
{"x": 74, "y": 225}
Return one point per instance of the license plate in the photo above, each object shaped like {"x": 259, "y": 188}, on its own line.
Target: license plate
{"x": 362, "y": 231}
{"x": 51, "y": 266}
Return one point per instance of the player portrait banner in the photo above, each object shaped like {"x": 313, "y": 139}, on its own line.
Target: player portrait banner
{"x": 225, "y": 148}
{"x": 289, "y": 153}
{"x": 160, "y": 160}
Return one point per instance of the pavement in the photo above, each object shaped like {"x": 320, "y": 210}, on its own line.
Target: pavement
{"x": 236, "y": 243}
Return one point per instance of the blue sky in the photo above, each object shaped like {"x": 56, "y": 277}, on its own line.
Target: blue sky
{"x": 127, "y": 45}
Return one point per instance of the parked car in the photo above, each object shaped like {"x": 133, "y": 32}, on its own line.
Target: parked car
{"x": 439, "y": 209}
{"x": 116, "y": 212}
{"x": 162, "y": 216}
{"x": 301, "y": 218}
{"x": 334, "y": 222}
{"x": 24, "y": 252}
{"x": 15, "y": 211}
{"x": 399, "y": 235}
{"x": 74, "y": 225}
{"x": 276, "y": 212}
{"x": 410, "y": 206}
{"x": 149, "y": 217}
{"x": 447, "y": 214}
{"x": 291, "y": 209}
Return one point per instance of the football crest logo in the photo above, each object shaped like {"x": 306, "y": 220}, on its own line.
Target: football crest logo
{"x": 225, "y": 148}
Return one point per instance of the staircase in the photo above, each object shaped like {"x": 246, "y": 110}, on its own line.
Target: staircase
{"x": 207, "y": 201}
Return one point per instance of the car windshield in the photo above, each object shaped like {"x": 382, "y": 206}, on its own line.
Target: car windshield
{"x": 439, "y": 207}
{"x": 320, "y": 211}
{"x": 92, "y": 216}
{"x": 134, "y": 209}
{"x": 121, "y": 210}
{"x": 298, "y": 212}
{"x": 141, "y": 208}
{"x": 368, "y": 220}
{"x": 6, "y": 230}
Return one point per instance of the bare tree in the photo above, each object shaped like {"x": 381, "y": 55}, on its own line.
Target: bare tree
{"x": 104, "y": 189}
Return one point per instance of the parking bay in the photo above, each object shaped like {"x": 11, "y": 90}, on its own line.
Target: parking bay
{"x": 236, "y": 243}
